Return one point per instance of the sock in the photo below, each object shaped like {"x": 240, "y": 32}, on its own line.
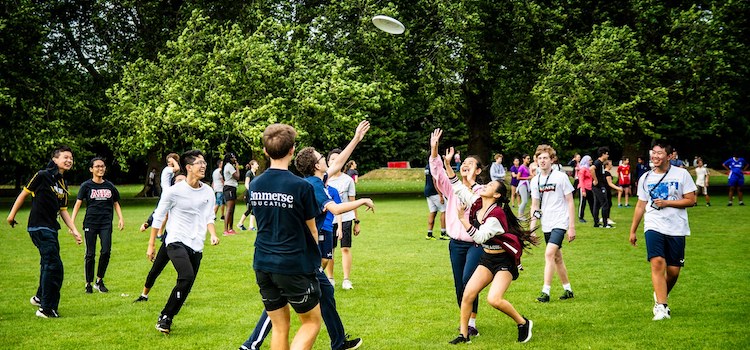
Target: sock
{"x": 546, "y": 289}
{"x": 429, "y": 233}
{"x": 567, "y": 287}
{"x": 144, "y": 295}
{"x": 473, "y": 322}
{"x": 442, "y": 232}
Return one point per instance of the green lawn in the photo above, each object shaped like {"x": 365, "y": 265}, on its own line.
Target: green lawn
{"x": 403, "y": 296}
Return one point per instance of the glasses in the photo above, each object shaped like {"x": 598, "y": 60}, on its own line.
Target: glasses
{"x": 199, "y": 162}
{"x": 321, "y": 157}
{"x": 99, "y": 166}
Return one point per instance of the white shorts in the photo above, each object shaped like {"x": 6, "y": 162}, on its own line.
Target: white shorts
{"x": 433, "y": 202}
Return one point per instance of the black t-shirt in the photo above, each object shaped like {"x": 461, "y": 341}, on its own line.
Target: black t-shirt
{"x": 600, "y": 176}
{"x": 282, "y": 203}
{"x": 100, "y": 200}
{"x": 50, "y": 195}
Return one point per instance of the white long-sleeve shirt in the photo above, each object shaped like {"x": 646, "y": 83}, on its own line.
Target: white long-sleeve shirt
{"x": 190, "y": 211}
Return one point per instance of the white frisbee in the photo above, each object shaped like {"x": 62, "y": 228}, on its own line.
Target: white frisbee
{"x": 388, "y": 24}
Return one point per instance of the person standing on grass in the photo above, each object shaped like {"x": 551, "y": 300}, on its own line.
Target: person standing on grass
{"x": 599, "y": 188}
{"x": 736, "y": 167}
{"x": 189, "y": 205}
{"x": 230, "y": 173}
{"x": 351, "y": 169}
{"x": 702, "y": 178}
{"x": 514, "y": 182}
{"x": 584, "y": 188}
{"x": 497, "y": 170}
{"x": 435, "y": 203}
{"x": 552, "y": 203}
{"x": 623, "y": 179}
{"x": 217, "y": 183}
{"x": 49, "y": 193}
{"x": 101, "y": 198}
{"x": 640, "y": 168}
{"x": 664, "y": 193}
{"x": 464, "y": 252}
{"x": 524, "y": 174}
{"x": 252, "y": 168}
{"x": 170, "y": 171}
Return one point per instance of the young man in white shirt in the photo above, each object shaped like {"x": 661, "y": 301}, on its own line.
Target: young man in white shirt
{"x": 190, "y": 209}
{"x": 702, "y": 178}
{"x": 552, "y": 202}
{"x": 663, "y": 194}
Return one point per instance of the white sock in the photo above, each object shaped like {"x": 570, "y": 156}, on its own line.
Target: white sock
{"x": 546, "y": 289}
{"x": 473, "y": 322}
{"x": 144, "y": 295}
{"x": 567, "y": 287}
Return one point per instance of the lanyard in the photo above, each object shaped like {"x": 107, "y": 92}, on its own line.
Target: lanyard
{"x": 651, "y": 191}
{"x": 541, "y": 194}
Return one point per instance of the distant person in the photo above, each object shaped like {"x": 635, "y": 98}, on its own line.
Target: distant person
{"x": 599, "y": 188}
{"x": 351, "y": 169}
{"x": 151, "y": 183}
{"x": 623, "y": 179}
{"x": 610, "y": 186}
{"x": 574, "y": 164}
{"x": 252, "y": 168}
{"x": 641, "y": 168}
{"x": 169, "y": 171}
{"x": 457, "y": 160}
{"x": 49, "y": 193}
{"x": 524, "y": 174}
{"x": 230, "y": 172}
{"x": 676, "y": 161}
{"x": 217, "y": 183}
{"x": 663, "y": 195}
{"x": 435, "y": 204}
{"x": 497, "y": 170}
{"x": 514, "y": 182}
{"x": 102, "y": 197}
{"x": 736, "y": 167}
{"x": 702, "y": 178}
{"x": 349, "y": 219}
{"x": 585, "y": 189}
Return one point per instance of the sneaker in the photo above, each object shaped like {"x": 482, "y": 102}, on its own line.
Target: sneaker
{"x": 619, "y": 205}
{"x": 473, "y": 331}
{"x": 99, "y": 285}
{"x": 708, "y": 204}
{"x": 35, "y": 301}
{"x": 444, "y": 237}
{"x": 347, "y": 285}
{"x": 222, "y": 217}
{"x": 460, "y": 339}
{"x": 89, "y": 289}
{"x": 242, "y": 227}
{"x": 227, "y": 233}
{"x": 608, "y": 226}
{"x": 610, "y": 222}
{"x": 46, "y": 313}
{"x": 661, "y": 312}
{"x": 742, "y": 204}
{"x": 352, "y": 343}
{"x": 253, "y": 229}
{"x": 141, "y": 298}
{"x": 627, "y": 205}
{"x": 164, "y": 324}
{"x": 524, "y": 331}
{"x": 729, "y": 204}
{"x": 430, "y": 238}
{"x": 568, "y": 294}
{"x": 543, "y": 298}
{"x": 583, "y": 221}
{"x": 232, "y": 232}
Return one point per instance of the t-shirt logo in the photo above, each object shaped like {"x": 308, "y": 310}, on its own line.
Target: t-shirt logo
{"x": 59, "y": 191}
{"x": 100, "y": 194}
{"x": 547, "y": 187}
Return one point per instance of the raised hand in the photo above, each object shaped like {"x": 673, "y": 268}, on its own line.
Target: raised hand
{"x": 362, "y": 128}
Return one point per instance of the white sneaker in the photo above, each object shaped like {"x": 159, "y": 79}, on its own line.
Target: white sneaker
{"x": 661, "y": 312}
{"x": 333, "y": 281}
{"x": 347, "y": 285}
{"x": 35, "y": 301}
{"x": 610, "y": 222}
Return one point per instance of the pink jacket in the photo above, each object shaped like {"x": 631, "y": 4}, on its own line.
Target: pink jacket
{"x": 453, "y": 225}
{"x": 584, "y": 179}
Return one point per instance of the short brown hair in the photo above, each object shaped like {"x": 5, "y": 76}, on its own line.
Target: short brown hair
{"x": 174, "y": 156}
{"x": 546, "y": 148}
{"x": 498, "y": 155}
{"x": 278, "y": 140}
{"x": 306, "y": 160}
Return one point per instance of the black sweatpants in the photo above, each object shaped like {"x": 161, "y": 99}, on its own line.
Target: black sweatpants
{"x": 160, "y": 262}
{"x": 90, "y": 233}
{"x": 186, "y": 261}
{"x": 601, "y": 202}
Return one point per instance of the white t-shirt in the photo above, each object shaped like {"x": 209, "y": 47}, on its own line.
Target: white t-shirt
{"x": 551, "y": 190}
{"x": 216, "y": 181}
{"x": 229, "y": 170}
{"x": 190, "y": 211}
{"x": 345, "y": 185}
{"x": 166, "y": 178}
{"x": 700, "y": 173}
{"x": 669, "y": 221}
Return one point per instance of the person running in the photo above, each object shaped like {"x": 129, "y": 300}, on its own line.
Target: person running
{"x": 189, "y": 206}
{"x": 584, "y": 187}
{"x": 702, "y": 179}
{"x": 101, "y": 198}
{"x": 464, "y": 252}
{"x": 252, "y": 168}
{"x": 552, "y": 203}
{"x": 217, "y": 183}
{"x": 514, "y": 182}
{"x": 664, "y": 193}
{"x": 492, "y": 224}
{"x": 736, "y": 167}
{"x": 170, "y": 171}
{"x": 524, "y": 174}
{"x": 435, "y": 204}
{"x": 623, "y": 179}
{"x": 599, "y": 188}
{"x": 49, "y": 193}
{"x": 230, "y": 173}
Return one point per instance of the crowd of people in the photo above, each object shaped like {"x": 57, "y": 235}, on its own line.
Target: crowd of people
{"x": 300, "y": 221}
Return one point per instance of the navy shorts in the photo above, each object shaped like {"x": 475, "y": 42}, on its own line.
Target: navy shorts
{"x": 671, "y": 248}
{"x": 325, "y": 242}
{"x": 736, "y": 181}
{"x": 556, "y": 236}
{"x": 302, "y": 292}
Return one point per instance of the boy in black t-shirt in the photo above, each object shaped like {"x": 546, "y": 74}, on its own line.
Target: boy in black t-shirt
{"x": 101, "y": 198}
{"x": 50, "y": 197}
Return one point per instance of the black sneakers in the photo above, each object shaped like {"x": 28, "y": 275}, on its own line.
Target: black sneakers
{"x": 164, "y": 324}
{"x": 567, "y": 295}
{"x": 89, "y": 289}
{"x": 141, "y": 298}
{"x": 543, "y": 298}
{"x": 460, "y": 339}
{"x": 35, "y": 301}
{"x": 524, "y": 331}
{"x": 352, "y": 343}
{"x": 47, "y": 313}
{"x": 99, "y": 285}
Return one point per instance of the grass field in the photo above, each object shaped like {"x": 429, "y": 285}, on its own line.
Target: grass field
{"x": 403, "y": 296}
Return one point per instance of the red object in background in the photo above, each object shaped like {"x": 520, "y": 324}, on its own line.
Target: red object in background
{"x": 400, "y": 164}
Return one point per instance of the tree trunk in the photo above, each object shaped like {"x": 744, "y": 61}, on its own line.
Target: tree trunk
{"x": 478, "y": 117}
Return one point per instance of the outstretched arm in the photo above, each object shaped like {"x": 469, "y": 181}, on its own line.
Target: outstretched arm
{"x": 339, "y": 162}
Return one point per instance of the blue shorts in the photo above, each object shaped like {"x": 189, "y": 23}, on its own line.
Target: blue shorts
{"x": 671, "y": 248}
{"x": 736, "y": 181}
{"x": 220, "y": 198}
{"x": 555, "y": 236}
{"x": 325, "y": 242}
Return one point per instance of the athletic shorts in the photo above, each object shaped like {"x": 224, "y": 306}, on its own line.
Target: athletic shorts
{"x": 302, "y": 292}
{"x": 433, "y": 202}
{"x": 556, "y": 236}
{"x": 346, "y": 239}
{"x": 736, "y": 181}
{"x": 325, "y": 242}
{"x": 671, "y": 248}
{"x": 499, "y": 262}
{"x": 701, "y": 191}
{"x": 220, "y": 198}
{"x": 230, "y": 193}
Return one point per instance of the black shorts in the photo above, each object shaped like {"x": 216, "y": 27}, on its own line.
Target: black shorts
{"x": 302, "y": 292}
{"x": 346, "y": 234}
{"x": 499, "y": 262}
{"x": 230, "y": 193}
{"x": 556, "y": 236}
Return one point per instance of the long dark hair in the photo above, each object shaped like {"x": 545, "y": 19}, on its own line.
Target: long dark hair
{"x": 514, "y": 226}
{"x": 227, "y": 160}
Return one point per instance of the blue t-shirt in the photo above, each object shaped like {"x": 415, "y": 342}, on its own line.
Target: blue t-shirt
{"x": 328, "y": 222}
{"x": 282, "y": 203}
{"x": 321, "y": 198}
{"x": 735, "y": 167}
{"x": 429, "y": 187}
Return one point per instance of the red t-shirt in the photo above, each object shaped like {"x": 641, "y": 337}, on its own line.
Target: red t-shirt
{"x": 623, "y": 175}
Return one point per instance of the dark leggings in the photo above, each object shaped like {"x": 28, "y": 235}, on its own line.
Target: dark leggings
{"x": 105, "y": 235}
{"x": 160, "y": 262}
{"x": 186, "y": 261}
{"x": 582, "y": 203}
{"x": 601, "y": 202}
